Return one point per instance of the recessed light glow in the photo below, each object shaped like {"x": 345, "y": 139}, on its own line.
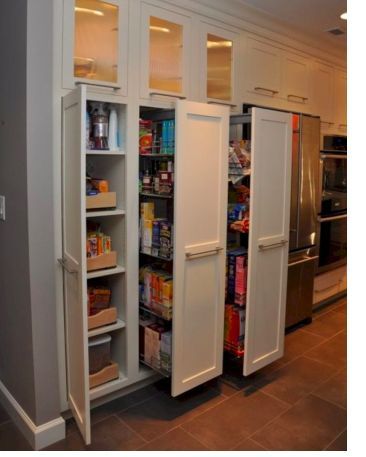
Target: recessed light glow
{"x": 219, "y": 44}
{"x": 88, "y": 10}
{"x": 159, "y": 29}
{"x": 344, "y": 16}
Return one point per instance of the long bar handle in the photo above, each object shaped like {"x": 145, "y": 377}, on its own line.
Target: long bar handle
{"x": 342, "y": 125}
{"x": 332, "y": 218}
{"x": 304, "y": 260}
{"x": 189, "y": 255}
{"x": 180, "y": 97}
{"x": 77, "y": 83}
{"x": 63, "y": 263}
{"x": 263, "y": 247}
{"x": 212, "y": 102}
{"x": 333, "y": 156}
{"x": 298, "y": 96}
{"x": 273, "y": 92}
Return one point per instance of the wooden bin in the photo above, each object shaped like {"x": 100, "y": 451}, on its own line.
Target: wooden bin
{"x": 102, "y": 261}
{"x": 107, "y": 374}
{"x": 104, "y": 317}
{"x": 101, "y": 200}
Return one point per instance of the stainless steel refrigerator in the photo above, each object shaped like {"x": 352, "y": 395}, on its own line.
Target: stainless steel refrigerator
{"x": 305, "y": 201}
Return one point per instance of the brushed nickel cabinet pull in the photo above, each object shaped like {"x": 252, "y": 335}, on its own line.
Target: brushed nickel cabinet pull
{"x": 180, "y": 97}
{"x": 189, "y": 255}
{"x": 298, "y": 96}
{"x": 78, "y": 83}
{"x": 273, "y": 92}
{"x": 212, "y": 102}
{"x": 263, "y": 247}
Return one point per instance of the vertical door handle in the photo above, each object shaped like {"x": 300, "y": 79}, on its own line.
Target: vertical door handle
{"x": 63, "y": 263}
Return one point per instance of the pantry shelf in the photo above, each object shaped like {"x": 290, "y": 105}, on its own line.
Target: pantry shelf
{"x": 148, "y": 310}
{"x": 108, "y": 387}
{"x": 105, "y": 152}
{"x": 107, "y": 328}
{"x": 107, "y": 272}
{"x": 104, "y": 213}
{"x": 157, "y": 257}
{"x": 165, "y": 373}
{"x": 146, "y": 194}
{"x": 157, "y": 156}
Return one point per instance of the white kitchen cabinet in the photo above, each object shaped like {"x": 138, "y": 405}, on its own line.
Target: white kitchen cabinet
{"x": 165, "y": 44}
{"x": 262, "y": 74}
{"x": 267, "y": 247}
{"x": 323, "y": 94}
{"x": 78, "y": 272}
{"x": 329, "y": 284}
{"x": 95, "y": 43}
{"x": 219, "y": 59}
{"x": 340, "y": 100}
{"x": 295, "y": 81}
{"x": 197, "y": 262}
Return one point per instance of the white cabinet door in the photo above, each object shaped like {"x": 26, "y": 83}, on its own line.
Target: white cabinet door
{"x": 262, "y": 70}
{"x": 164, "y": 56}
{"x": 296, "y": 74}
{"x": 340, "y": 100}
{"x": 268, "y": 238}
{"x": 322, "y": 93}
{"x": 95, "y": 43}
{"x": 219, "y": 61}
{"x": 75, "y": 294}
{"x": 202, "y": 135}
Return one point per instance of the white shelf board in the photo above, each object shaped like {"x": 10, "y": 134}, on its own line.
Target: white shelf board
{"x": 105, "y": 152}
{"x": 106, "y": 212}
{"x": 108, "y": 387}
{"x": 107, "y": 328}
{"x": 107, "y": 272}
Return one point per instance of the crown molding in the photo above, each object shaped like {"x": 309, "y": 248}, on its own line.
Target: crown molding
{"x": 248, "y": 19}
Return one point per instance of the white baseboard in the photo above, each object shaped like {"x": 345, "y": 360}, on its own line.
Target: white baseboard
{"x": 39, "y": 436}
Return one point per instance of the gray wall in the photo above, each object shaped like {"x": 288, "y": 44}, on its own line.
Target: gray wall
{"x": 28, "y": 346}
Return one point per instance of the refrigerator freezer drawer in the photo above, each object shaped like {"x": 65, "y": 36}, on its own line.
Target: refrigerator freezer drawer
{"x": 300, "y": 284}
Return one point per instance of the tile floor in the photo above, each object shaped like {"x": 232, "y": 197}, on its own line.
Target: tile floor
{"x": 297, "y": 403}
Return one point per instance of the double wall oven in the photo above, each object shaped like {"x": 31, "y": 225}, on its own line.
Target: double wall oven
{"x": 333, "y": 215}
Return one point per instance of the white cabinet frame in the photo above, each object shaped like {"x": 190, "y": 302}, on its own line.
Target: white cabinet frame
{"x": 146, "y": 92}
{"x": 68, "y": 78}
{"x": 208, "y": 28}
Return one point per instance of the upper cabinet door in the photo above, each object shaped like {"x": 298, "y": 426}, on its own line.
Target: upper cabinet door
{"x": 219, "y": 60}
{"x": 340, "y": 100}
{"x": 74, "y": 259}
{"x": 323, "y": 89}
{"x": 165, "y": 44}
{"x": 296, "y": 75}
{"x": 262, "y": 71}
{"x": 95, "y": 43}
{"x": 199, "y": 243}
{"x": 268, "y": 238}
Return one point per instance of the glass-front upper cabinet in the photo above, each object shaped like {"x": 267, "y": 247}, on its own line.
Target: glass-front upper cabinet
{"x": 164, "y": 70}
{"x": 95, "y": 43}
{"x": 219, "y": 57}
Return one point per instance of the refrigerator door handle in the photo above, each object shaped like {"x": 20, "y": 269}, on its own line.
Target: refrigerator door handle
{"x": 304, "y": 260}
{"x": 332, "y": 218}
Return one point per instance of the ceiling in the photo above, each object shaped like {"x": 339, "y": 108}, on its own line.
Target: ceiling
{"x": 309, "y": 17}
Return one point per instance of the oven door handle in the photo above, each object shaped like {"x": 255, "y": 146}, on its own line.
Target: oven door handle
{"x": 334, "y": 156}
{"x": 332, "y": 218}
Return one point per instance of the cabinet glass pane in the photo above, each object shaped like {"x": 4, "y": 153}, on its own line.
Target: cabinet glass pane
{"x": 166, "y": 55}
{"x": 96, "y": 40}
{"x": 219, "y": 57}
